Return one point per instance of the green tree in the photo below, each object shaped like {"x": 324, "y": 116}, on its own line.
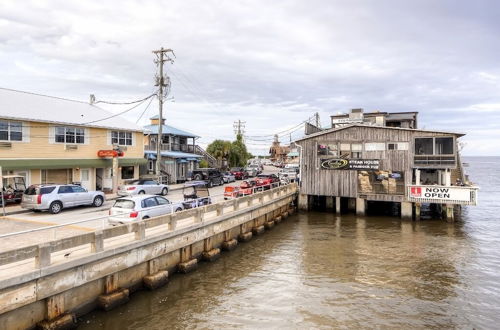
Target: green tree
{"x": 235, "y": 153}
{"x": 203, "y": 164}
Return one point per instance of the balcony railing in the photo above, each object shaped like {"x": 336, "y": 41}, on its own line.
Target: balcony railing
{"x": 189, "y": 148}
{"x": 434, "y": 160}
{"x": 464, "y": 195}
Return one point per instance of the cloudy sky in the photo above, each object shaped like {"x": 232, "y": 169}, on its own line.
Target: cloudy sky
{"x": 272, "y": 64}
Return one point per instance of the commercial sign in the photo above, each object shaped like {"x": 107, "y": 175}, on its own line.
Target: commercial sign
{"x": 110, "y": 153}
{"x": 440, "y": 193}
{"x": 350, "y": 164}
{"x": 347, "y": 121}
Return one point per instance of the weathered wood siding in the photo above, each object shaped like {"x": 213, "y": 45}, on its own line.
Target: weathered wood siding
{"x": 344, "y": 183}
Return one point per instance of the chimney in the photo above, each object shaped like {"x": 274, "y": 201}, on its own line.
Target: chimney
{"x": 92, "y": 99}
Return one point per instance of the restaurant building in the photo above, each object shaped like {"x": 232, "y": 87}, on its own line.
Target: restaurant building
{"x": 355, "y": 164}
{"x": 48, "y": 139}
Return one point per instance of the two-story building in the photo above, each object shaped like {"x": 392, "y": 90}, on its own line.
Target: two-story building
{"x": 54, "y": 140}
{"x": 179, "y": 152}
{"x": 356, "y": 164}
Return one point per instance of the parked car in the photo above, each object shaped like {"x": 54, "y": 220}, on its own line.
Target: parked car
{"x": 239, "y": 173}
{"x": 290, "y": 174}
{"x": 13, "y": 188}
{"x": 253, "y": 170}
{"x": 228, "y": 177}
{"x": 266, "y": 180}
{"x": 196, "y": 194}
{"x": 54, "y": 198}
{"x": 212, "y": 175}
{"x": 142, "y": 187}
{"x": 139, "y": 207}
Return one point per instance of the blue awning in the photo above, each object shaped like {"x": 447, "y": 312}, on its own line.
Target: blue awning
{"x": 150, "y": 156}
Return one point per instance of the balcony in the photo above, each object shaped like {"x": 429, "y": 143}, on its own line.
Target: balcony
{"x": 463, "y": 195}
{"x": 189, "y": 148}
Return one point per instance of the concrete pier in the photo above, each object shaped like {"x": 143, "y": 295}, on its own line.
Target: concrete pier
{"x": 360, "y": 206}
{"x": 337, "y": 205}
{"x": 406, "y": 210}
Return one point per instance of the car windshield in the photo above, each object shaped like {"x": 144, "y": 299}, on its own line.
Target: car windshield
{"x": 124, "y": 204}
{"x": 235, "y": 169}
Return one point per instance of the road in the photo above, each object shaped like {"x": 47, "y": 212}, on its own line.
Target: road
{"x": 92, "y": 218}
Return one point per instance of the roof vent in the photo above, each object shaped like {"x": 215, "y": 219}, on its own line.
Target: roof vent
{"x": 92, "y": 99}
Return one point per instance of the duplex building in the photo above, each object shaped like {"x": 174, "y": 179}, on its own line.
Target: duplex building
{"x": 54, "y": 140}
{"x": 354, "y": 164}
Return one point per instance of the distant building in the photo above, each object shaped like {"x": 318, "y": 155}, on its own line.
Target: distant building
{"x": 377, "y": 118}
{"x": 278, "y": 153}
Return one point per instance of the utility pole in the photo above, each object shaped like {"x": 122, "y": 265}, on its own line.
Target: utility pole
{"x": 239, "y": 127}
{"x": 162, "y": 56}
{"x": 316, "y": 116}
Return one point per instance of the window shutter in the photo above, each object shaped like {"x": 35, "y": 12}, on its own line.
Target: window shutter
{"x": 87, "y": 136}
{"x": 134, "y": 136}
{"x": 52, "y": 134}
{"x": 109, "y": 138}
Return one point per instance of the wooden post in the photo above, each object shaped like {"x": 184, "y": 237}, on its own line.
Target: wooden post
{"x": 338, "y": 205}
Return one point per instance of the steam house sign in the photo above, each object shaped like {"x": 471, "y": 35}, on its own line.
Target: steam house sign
{"x": 350, "y": 164}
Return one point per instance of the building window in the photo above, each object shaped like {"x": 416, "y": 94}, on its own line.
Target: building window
{"x": 11, "y": 131}
{"x": 127, "y": 172}
{"x": 444, "y": 146}
{"x": 165, "y": 139}
{"x": 351, "y": 150}
{"x": 397, "y": 146}
{"x": 329, "y": 149}
{"x": 424, "y": 146}
{"x": 121, "y": 138}
{"x": 74, "y": 135}
{"x": 375, "y": 146}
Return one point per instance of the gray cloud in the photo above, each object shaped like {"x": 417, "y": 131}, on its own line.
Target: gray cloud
{"x": 272, "y": 64}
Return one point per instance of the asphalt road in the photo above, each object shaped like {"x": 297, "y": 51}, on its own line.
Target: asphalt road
{"x": 92, "y": 218}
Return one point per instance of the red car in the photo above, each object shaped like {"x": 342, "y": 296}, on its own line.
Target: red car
{"x": 266, "y": 180}
{"x": 239, "y": 173}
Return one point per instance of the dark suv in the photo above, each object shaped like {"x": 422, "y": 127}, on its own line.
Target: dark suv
{"x": 212, "y": 175}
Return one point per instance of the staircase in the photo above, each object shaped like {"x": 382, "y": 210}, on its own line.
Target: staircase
{"x": 458, "y": 173}
{"x": 211, "y": 160}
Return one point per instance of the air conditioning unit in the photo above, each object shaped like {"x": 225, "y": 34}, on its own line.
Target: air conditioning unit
{"x": 71, "y": 146}
{"x": 5, "y": 145}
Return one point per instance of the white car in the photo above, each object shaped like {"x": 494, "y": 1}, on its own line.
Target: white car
{"x": 135, "y": 208}
{"x": 143, "y": 186}
{"x": 228, "y": 177}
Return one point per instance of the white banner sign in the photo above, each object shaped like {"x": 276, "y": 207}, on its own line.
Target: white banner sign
{"x": 440, "y": 193}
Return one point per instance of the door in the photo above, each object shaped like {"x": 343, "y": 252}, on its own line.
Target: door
{"x": 81, "y": 196}
{"x": 66, "y": 196}
{"x": 152, "y": 187}
{"x": 85, "y": 178}
{"x": 150, "y": 207}
{"x": 165, "y": 206}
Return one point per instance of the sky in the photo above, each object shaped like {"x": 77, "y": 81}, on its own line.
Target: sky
{"x": 270, "y": 64}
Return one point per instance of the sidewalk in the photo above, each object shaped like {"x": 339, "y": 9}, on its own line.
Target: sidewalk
{"x": 16, "y": 208}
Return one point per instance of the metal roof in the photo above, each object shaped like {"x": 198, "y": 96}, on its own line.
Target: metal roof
{"x": 19, "y": 105}
{"x": 166, "y": 129}
{"x": 330, "y": 130}
{"x": 174, "y": 154}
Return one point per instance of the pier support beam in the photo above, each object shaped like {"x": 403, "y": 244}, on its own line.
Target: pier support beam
{"x": 406, "y": 210}
{"x": 417, "y": 211}
{"x": 330, "y": 200}
{"x": 450, "y": 217}
{"x": 351, "y": 204}
{"x": 303, "y": 202}
{"x": 337, "y": 205}
{"x": 360, "y": 206}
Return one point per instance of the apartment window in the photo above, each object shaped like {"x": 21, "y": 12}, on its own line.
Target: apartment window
{"x": 165, "y": 139}
{"x": 11, "y": 131}
{"x": 434, "y": 146}
{"x": 375, "y": 146}
{"x": 397, "y": 146}
{"x": 121, "y": 138}
{"x": 74, "y": 135}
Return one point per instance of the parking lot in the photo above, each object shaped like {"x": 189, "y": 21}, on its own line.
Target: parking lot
{"x": 89, "y": 219}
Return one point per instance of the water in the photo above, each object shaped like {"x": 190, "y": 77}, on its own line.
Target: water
{"x": 317, "y": 270}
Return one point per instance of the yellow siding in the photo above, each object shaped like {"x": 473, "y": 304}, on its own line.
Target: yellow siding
{"x": 40, "y": 147}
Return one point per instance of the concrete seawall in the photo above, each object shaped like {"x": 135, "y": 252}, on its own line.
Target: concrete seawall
{"x": 50, "y": 284}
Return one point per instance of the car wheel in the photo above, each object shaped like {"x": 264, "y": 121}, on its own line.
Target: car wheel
{"x": 142, "y": 192}
{"x": 98, "y": 201}
{"x": 55, "y": 207}
{"x": 198, "y": 177}
{"x": 164, "y": 191}
{"x": 144, "y": 218}
{"x": 178, "y": 209}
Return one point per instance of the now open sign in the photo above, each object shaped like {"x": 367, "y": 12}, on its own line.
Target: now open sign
{"x": 440, "y": 193}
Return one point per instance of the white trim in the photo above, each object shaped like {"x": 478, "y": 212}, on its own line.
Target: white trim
{"x": 52, "y": 134}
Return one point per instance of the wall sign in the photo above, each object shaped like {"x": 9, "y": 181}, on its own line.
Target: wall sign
{"x": 350, "y": 164}
{"x": 440, "y": 193}
{"x": 110, "y": 153}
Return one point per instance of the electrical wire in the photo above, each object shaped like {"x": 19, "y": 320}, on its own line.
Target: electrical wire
{"x": 125, "y": 103}
{"x": 145, "y": 109}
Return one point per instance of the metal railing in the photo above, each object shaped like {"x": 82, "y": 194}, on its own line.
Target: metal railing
{"x": 433, "y": 160}
{"x": 189, "y": 148}
{"x": 142, "y": 229}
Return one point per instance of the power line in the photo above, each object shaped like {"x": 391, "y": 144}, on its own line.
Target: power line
{"x": 124, "y": 103}
{"x": 145, "y": 109}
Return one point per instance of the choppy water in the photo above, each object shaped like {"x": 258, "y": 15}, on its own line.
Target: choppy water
{"x": 318, "y": 270}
